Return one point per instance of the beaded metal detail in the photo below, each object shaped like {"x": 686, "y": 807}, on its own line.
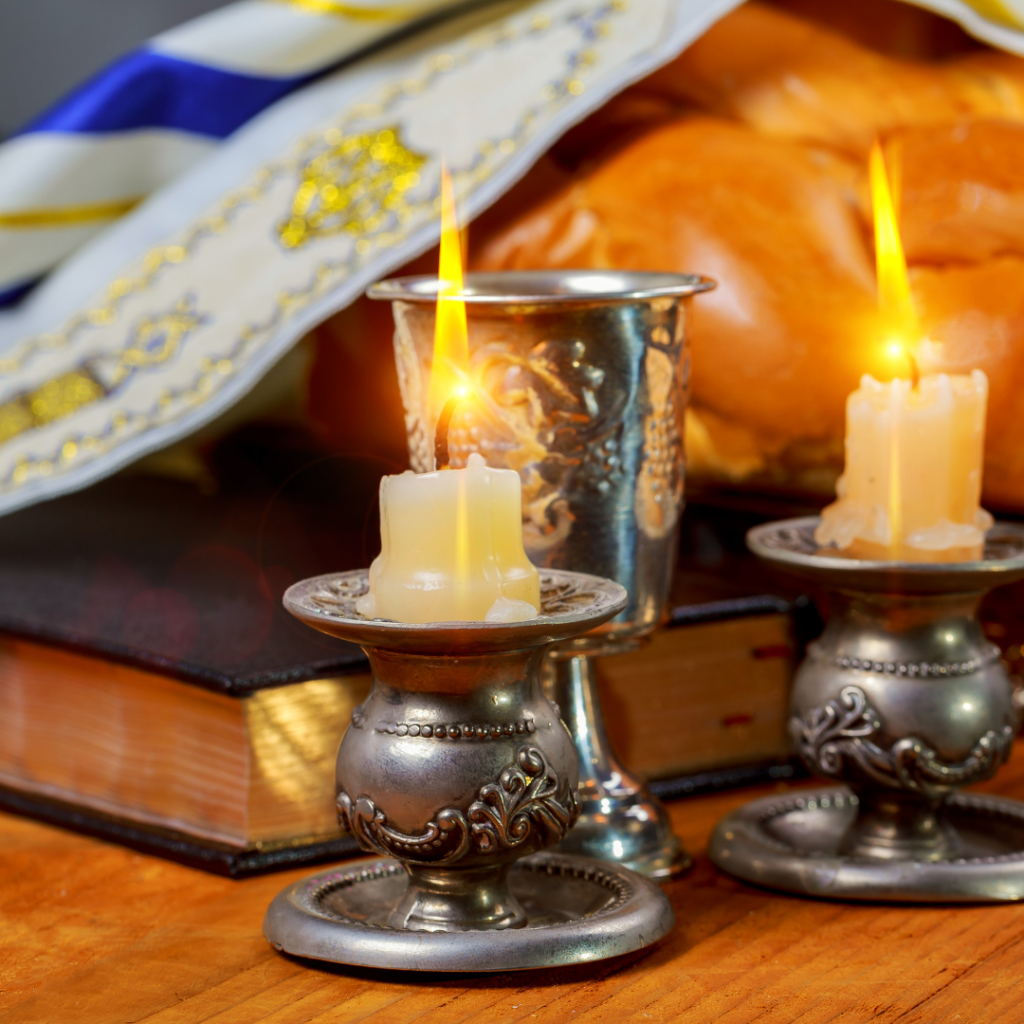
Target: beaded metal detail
{"x": 910, "y": 669}
{"x": 441, "y": 731}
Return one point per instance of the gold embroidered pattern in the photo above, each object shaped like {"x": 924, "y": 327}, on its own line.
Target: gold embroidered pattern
{"x": 996, "y": 11}
{"x": 357, "y": 12}
{"x": 152, "y": 340}
{"x": 356, "y": 186}
{"x": 56, "y": 399}
{"x": 65, "y": 216}
{"x": 215, "y": 370}
{"x": 155, "y": 339}
{"x": 152, "y": 264}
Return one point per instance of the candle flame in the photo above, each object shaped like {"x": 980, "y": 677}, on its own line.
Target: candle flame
{"x": 450, "y": 364}
{"x": 451, "y": 337}
{"x": 895, "y": 301}
{"x": 896, "y": 305}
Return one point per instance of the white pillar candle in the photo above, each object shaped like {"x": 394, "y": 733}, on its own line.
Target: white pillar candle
{"x": 911, "y": 488}
{"x": 452, "y": 549}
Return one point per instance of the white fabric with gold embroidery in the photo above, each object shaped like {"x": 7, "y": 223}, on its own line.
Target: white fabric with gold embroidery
{"x": 168, "y": 318}
{"x": 157, "y": 110}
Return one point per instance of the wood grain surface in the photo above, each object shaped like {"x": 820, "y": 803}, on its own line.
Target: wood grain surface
{"x": 95, "y": 933}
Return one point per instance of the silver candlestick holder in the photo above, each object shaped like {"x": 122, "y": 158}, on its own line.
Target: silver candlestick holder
{"x": 581, "y": 379}
{"x": 905, "y": 700}
{"x": 456, "y": 773}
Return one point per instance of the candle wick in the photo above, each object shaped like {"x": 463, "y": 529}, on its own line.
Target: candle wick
{"x": 441, "y": 457}
{"x": 915, "y": 373}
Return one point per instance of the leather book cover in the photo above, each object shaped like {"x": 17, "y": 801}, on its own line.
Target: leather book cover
{"x": 185, "y": 577}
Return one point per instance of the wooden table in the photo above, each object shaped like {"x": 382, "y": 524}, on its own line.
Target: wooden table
{"x": 94, "y": 933}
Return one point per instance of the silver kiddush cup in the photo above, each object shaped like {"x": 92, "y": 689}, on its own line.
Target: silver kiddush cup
{"x": 580, "y": 380}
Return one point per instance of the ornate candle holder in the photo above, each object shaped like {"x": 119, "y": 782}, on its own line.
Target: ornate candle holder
{"x": 454, "y": 768}
{"x": 905, "y": 700}
{"x": 582, "y": 381}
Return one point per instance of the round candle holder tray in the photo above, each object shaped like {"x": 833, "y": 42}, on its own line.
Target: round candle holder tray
{"x": 577, "y": 910}
{"x": 794, "y": 843}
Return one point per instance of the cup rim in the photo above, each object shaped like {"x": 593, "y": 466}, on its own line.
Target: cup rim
{"x": 545, "y": 287}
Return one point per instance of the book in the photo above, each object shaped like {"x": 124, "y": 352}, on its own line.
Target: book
{"x": 152, "y": 688}
{"x": 154, "y": 691}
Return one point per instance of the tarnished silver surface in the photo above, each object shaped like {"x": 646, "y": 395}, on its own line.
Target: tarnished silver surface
{"x": 457, "y": 765}
{"x": 904, "y": 699}
{"x": 795, "y": 843}
{"x": 577, "y": 911}
{"x": 790, "y": 544}
{"x": 581, "y": 380}
{"x": 570, "y": 602}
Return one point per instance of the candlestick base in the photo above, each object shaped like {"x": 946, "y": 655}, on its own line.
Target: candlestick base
{"x": 904, "y": 699}
{"x": 798, "y": 842}
{"x": 575, "y": 910}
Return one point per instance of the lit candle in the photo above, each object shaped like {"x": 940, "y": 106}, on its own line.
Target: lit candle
{"x": 451, "y": 540}
{"x": 911, "y": 487}
{"x": 452, "y": 549}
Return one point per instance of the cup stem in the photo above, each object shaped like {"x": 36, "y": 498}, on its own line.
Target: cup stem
{"x": 620, "y": 820}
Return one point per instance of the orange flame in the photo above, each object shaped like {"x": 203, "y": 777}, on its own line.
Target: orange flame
{"x": 894, "y": 299}
{"x": 451, "y": 338}
{"x": 896, "y": 305}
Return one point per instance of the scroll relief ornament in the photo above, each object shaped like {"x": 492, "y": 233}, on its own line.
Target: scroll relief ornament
{"x": 841, "y": 730}
{"x": 528, "y": 802}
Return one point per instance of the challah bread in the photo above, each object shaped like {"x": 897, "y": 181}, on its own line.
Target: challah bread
{"x": 776, "y": 223}
{"x": 764, "y": 188}
{"x": 792, "y": 79}
{"x": 962, "y": 190}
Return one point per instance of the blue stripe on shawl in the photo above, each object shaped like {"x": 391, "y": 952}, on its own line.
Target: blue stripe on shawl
{"x": 13, "y": 294}
{"x": 146, "y": 89}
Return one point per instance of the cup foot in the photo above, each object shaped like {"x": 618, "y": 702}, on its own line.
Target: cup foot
{"x": 795, "y": 843}
{"x": 619, "y": 820}
{"x": 632, "y": 830}
{"x": 663, "y": 866}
